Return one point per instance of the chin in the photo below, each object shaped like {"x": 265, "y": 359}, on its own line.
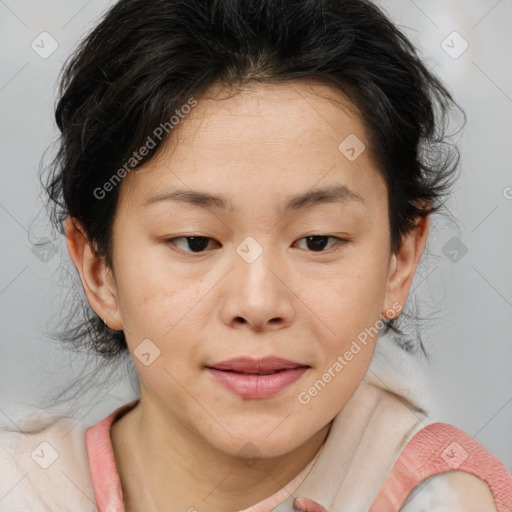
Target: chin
{"x": 248, "y": 443}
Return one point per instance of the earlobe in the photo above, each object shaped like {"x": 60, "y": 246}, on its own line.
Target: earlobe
{"x": 403, "y": 265}
{"x": 96, "y": 277}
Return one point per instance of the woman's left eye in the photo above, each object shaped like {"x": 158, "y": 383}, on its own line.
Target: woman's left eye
{"x": 197, "y": 243}
{"x": 317, "y": 242}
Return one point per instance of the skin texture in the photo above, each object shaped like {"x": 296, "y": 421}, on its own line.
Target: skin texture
{"x": 256, "y": 149}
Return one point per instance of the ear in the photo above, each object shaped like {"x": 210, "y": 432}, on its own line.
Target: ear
{"x": 402, "y": 267}
{"x": 97, "y": 280}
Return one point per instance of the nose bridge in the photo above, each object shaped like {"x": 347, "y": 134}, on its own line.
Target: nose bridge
{"x": 256, "y": 292}
{"x": 257, "y": 262}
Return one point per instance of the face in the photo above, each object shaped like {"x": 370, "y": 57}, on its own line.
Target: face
{"x": 257, "y": 274}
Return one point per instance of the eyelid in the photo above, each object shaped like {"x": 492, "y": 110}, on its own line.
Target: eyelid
{"x": 182, "y": 251}
{"x": 339, "y": 241}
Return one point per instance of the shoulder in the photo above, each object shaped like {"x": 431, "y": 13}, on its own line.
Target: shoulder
{"x": 442, "y": 468}
{"x": 433, "y": 467}
{"x": 44, "y": 467}
{"x": 453, "y": 491}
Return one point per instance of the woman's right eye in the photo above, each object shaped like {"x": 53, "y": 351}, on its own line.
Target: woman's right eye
{"x": 197, "y": 244}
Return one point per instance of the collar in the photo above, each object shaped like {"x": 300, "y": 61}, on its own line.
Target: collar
{"x": 388, "y": 407}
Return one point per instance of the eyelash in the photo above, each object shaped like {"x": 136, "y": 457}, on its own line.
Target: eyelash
{"x": 340, "y": 242}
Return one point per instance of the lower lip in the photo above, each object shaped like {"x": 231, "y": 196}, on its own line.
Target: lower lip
{"x": 257, "y": 386}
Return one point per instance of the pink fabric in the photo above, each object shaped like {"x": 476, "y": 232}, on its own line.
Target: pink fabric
{"x": 105, "y": 479}
{"x": 438, "y": 448}
{"x": 107, "y": 487}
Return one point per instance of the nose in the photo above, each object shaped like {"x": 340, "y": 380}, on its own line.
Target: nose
{"x": 258, "y": 294}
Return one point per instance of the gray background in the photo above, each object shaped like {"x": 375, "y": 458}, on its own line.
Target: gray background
{"x": 469, "y": 298}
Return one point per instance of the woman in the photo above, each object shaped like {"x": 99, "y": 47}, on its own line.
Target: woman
{"x": 246, "y": 190}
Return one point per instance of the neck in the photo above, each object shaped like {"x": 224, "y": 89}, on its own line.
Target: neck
{"x": 161, "y": 462}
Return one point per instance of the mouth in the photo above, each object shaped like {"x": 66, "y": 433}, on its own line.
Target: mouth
{"x": 249, "y": 373}
{"x": 263, "y": 366}
{"x": 256, "y": 378}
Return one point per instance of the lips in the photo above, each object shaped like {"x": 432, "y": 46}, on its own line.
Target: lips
{"x": 256, "y": 378}
{"x": 263, "y": 366}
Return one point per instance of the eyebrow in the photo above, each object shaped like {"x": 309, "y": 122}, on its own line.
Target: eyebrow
{"x": 325, "y": 195}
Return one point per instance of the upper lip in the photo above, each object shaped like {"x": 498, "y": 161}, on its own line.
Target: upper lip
{"x": 250, "y": 365}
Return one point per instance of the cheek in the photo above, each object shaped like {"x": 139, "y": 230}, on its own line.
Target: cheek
{"x": 351, "y": 308}
{"x": 144, "y": 284}
{"x": 330, "y": 388}
{"x": 157, "y": 309}
{"x": 354, "y": 299}
{"x": 353, "y": 316}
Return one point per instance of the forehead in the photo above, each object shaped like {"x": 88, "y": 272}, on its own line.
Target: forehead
{"x": 299, "y": 112}
{"x": 277, "y": 138}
